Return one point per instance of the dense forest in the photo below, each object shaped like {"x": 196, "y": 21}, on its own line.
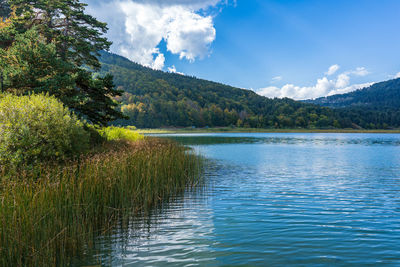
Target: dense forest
{"x": 156, "y": 99}
{"x": 153, "y": 99}
{"x": 376, "y": 106}
{"x": 379, "y": 96}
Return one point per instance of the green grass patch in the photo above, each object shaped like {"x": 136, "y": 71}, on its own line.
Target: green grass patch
{"x": 117, "y": 133}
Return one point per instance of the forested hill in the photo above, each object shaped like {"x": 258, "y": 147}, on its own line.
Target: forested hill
{"x": 379, "y": 96}
{"x": 156, "y": 99}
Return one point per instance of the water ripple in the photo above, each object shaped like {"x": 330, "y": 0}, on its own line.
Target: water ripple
{"x": 276, "y": 200}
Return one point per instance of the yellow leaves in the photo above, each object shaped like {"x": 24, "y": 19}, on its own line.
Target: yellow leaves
{"x": 4, "y": 22}
{"x": 141, "y": 107}
{"x": 128, "y": 108}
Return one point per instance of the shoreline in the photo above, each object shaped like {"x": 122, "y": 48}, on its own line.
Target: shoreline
{"x": 260, "y": 130}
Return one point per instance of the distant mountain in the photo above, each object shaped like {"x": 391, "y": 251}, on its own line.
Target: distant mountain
{"x": 379, "y": 96}
{"x": 155, "y": 99}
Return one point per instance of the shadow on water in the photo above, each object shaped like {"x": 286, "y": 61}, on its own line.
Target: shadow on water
{"x": 282, "y": 139}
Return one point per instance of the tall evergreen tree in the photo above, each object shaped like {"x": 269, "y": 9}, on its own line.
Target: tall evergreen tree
{"x": 4, "y": 9}
{"x": 52, "y": 46}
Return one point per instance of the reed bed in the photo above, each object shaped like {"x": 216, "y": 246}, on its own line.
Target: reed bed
{"x": 52, "y": 214}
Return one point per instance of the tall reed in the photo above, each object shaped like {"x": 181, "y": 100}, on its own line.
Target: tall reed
{"x": 52, "y": 213}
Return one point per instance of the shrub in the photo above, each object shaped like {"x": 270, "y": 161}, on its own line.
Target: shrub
{"x": 117, "y": 133}
{"x": 95, "y": 137}
{"x": 38, "y": 128}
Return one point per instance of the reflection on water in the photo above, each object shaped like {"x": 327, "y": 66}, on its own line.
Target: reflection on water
{"x": 160, "y": 237}
{"x": 285, "y": 138}
{"x": 276, "y": 200}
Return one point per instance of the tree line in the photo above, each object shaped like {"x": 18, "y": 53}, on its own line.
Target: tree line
{"x": 154, "y": 99}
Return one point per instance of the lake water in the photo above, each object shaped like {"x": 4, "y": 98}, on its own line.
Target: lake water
{"x": 276, "y": 200}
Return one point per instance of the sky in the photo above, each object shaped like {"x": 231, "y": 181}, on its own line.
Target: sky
{"x": 300, "y": 49}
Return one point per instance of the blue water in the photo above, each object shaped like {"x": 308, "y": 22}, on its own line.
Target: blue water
{"x": 276, "y": 200}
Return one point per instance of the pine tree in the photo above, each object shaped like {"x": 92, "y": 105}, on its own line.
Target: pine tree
{"x": 52, "y": 46}
{"x": 4, "y": 9}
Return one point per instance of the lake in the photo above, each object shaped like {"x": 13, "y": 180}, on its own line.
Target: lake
{"x": 275, "y": 200}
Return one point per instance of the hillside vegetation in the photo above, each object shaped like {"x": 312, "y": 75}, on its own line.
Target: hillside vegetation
{"x": 374, "y": 107}
{"x": 379, "y": 96}
{"x": 154, "y": 99}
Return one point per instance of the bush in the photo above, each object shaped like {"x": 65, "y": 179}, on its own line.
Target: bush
{"x": 117, "y": 133}
{"x": 95, "y": 137}
{"x": 38, "y": 128}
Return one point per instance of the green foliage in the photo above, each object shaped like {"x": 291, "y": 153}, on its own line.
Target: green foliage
{"x": 52, "y": 46}
{"x": 30, "y": 64}
{"x": 154, "y": 99}
{"x": 77, "y": 35}
{"x": 378, "y": 96}
{"x": 4, "y": 9}
{"x": 38, "y": 128}
{"x": 117, "y": 133}
{"x": 374, "y": 107}
{"x": 95, "y": 137}
{"x": 54, "y": 213}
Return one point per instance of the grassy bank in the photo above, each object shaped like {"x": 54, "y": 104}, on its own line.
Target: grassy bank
{"x": 51, "y": 214}
{"x": 257, "y": 130}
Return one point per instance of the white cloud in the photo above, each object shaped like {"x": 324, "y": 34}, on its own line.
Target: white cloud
{"x": 350, "y": 88}
{"x": 173, "y": 70}
{"x": 332, "y": 69}
{"x": 360, "y": 71}
{"x": 158, "y": 62}
{"x": 193, "y": 4}
{"x": 189, "y": 34}
{"x": 276, "y": 79}
{"x": 137, "y": 28}
{"x": 395, "y": 76}
{"x": 342, "y": 80}
{"x": 323, "y": 87}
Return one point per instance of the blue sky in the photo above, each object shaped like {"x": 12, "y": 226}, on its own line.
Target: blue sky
{"x": 277, "y": 48}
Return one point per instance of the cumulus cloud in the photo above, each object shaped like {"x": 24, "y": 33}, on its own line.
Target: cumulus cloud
{"x": 397, "y": 75}
{"x": 323, "y": 87}
{"x": 342, "y": 80}
{"x": 138, "y": 27}
{"x": 189, "y": 34}
{"x": 332, "y": 69}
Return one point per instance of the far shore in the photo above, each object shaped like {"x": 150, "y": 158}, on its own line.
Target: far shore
{"x": 260, "y": 130}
